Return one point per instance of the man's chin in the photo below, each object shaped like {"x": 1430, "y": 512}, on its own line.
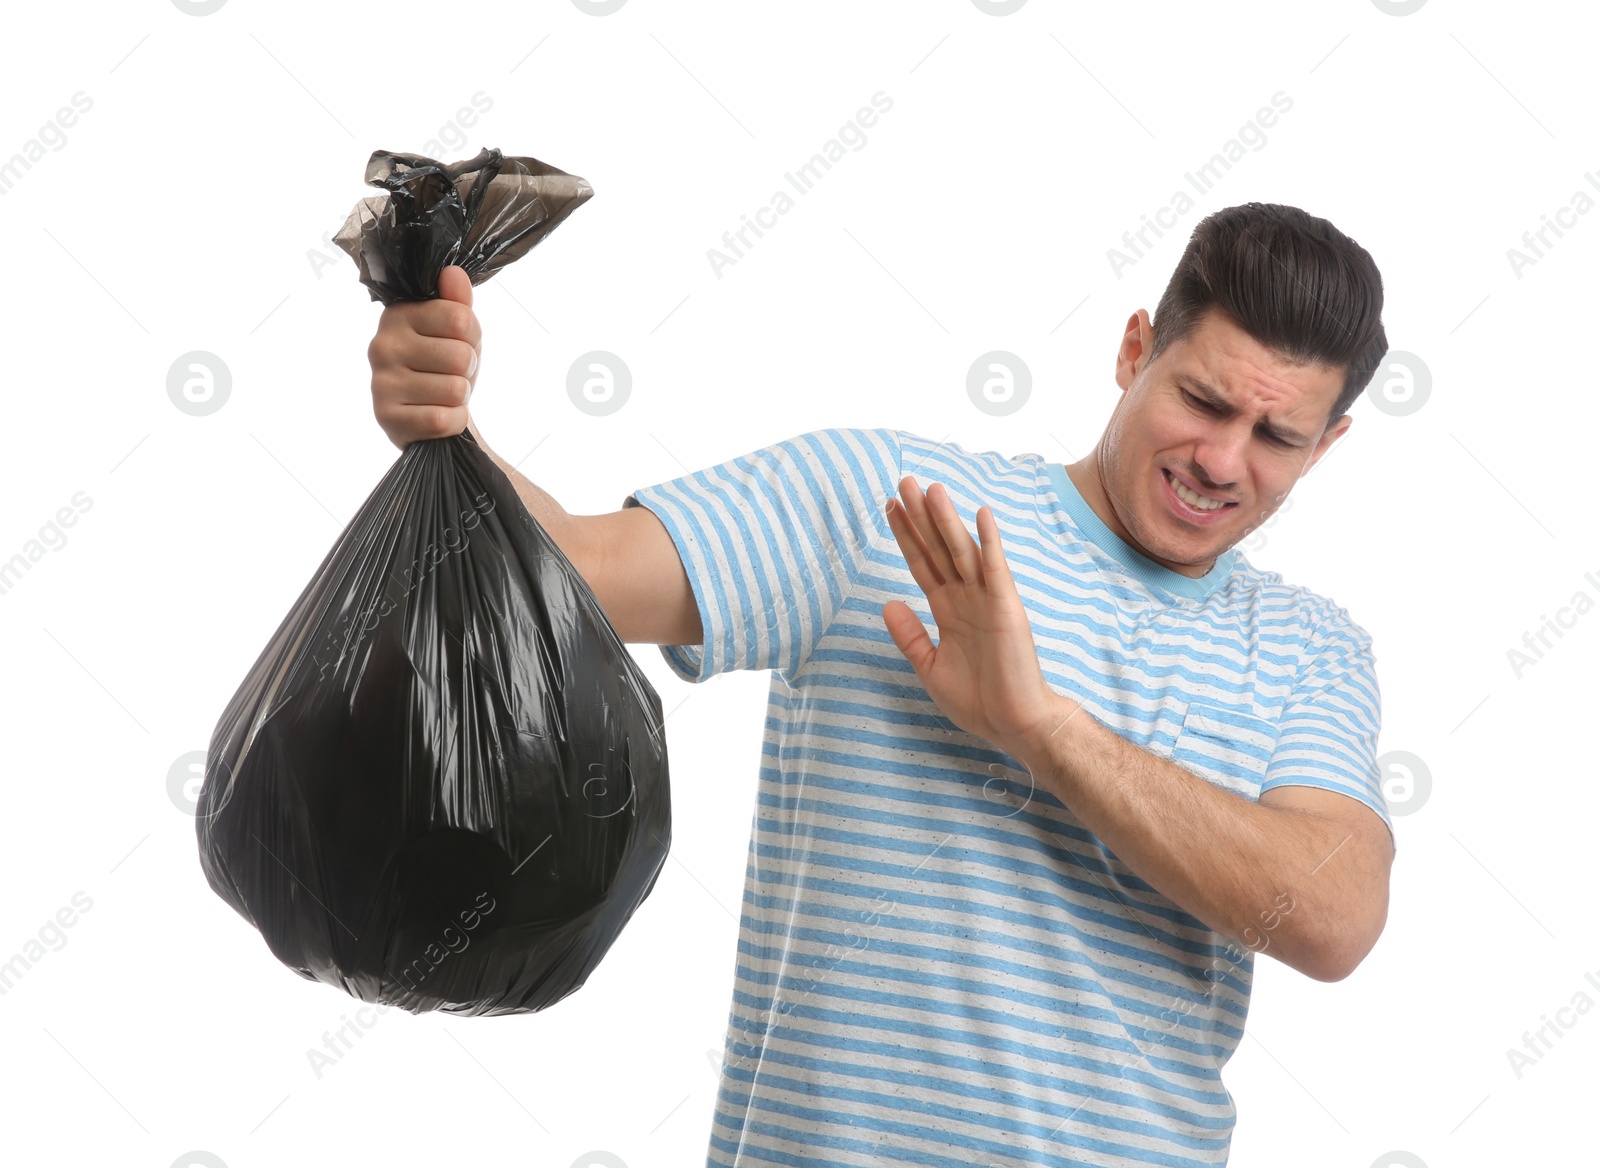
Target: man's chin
{"x": 1185, "y": 556}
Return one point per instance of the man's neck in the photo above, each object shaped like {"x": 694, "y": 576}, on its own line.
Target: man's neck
{"x": 1085, "y": 475}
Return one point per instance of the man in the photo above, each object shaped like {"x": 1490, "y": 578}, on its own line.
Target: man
{"x": 1005, "y": 889}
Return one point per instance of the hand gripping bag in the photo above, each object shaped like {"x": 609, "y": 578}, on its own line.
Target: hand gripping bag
{"x": 443, "y": 783}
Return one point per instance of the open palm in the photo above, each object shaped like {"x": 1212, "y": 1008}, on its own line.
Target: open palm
{"x": 984, "y": 672}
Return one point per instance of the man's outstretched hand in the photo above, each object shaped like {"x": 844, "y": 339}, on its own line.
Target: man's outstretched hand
{"x": 984, "y": 673}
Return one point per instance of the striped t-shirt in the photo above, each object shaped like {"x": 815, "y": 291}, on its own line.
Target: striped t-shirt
{"x": 937, "y": 964}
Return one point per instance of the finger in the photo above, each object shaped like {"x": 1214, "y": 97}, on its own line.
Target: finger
{"x": 445, "y": 318}
{"x": 422, "y": 421}
{"x": 433, "y": 389}
{"x": 916, "y": 505}
{"x": 911, "y": 546}
{"x": 995, "y": 568}
{"x": 437, "y": 355}
{"x": 957, "y": 539}
{"x": 910, "y": 636}
{"x": 455, "y": 284}
{"x": 472, "y": 368}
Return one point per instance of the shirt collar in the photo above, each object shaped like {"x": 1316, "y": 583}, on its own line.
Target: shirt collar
{"x": 1140, "y": 565}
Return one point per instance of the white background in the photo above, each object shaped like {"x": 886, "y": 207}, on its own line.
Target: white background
{"x": 185, "y": 211}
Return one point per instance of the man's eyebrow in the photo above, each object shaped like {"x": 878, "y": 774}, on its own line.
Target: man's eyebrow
{"x": 1277, "y": 429}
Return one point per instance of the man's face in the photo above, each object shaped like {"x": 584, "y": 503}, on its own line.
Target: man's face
{"x": 1229, "y": 419}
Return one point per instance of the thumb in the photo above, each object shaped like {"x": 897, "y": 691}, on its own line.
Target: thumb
{"x": 455, "y": 284}
{"x": 909, "y": 635}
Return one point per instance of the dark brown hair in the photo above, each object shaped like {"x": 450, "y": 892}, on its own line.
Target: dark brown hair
{"x": 1294, "y": 282}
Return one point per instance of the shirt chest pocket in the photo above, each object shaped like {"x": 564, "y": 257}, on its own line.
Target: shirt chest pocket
{"x": 1226, "y": 745}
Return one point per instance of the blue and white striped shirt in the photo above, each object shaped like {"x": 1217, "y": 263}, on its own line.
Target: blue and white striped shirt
{"x": 938, "y": 965}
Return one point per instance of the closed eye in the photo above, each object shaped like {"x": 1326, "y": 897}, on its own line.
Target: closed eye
{"x": 1205, "y": 405}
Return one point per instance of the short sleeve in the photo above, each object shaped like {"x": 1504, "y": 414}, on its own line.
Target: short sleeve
{"x": 773, "y": 543}
{"x": 1328, "y": 732}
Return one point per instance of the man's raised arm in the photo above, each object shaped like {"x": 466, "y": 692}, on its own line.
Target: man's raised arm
{"x": 424, "y": 360}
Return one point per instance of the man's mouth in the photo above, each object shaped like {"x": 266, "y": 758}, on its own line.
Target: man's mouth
{"x": 1189, "y": 504}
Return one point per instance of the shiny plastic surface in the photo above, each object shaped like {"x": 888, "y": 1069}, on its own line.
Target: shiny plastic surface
{"x": 480, "y": 213}
{"x": 443, "y": 784}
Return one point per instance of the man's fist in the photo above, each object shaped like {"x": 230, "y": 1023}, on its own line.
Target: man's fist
{"x": 424, "y": 362}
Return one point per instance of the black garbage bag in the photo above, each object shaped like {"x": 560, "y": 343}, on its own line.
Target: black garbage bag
{"x": 443, "y": 784}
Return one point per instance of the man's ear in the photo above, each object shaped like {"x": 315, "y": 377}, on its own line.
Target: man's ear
{"x": 1329, "y": 437}
{"x": 1134, "y": 352}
